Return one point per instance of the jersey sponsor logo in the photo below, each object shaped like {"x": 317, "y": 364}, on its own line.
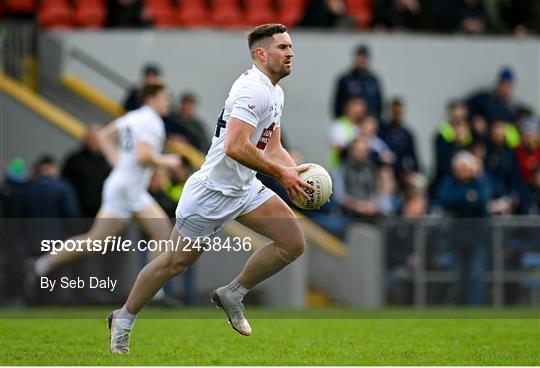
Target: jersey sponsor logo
{"x": 265, "y": 136}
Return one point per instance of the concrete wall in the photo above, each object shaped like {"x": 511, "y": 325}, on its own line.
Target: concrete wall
{"x": 26, "y": 134}
{"x": 427, "y": 70}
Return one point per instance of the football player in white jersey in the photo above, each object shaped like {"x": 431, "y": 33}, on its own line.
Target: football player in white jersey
{"x": 246, "y": 140}
{"x": 132, "y": 145}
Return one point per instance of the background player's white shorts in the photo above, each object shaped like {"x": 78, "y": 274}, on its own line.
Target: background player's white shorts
{"x": 203, "y": 212}
{"x": 122, "y": 199}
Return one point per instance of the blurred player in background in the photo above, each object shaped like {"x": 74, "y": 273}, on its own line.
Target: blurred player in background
{"x": 132, "y": 144}
{"x": 247, "y": 139}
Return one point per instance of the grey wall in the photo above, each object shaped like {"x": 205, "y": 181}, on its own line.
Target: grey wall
{"x": 428, "y": 70}
{"x": 26, "y": 134}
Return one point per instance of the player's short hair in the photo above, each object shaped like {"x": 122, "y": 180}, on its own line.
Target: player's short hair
{"x": 261, "y": 32}
{"x": 150, "y": 90}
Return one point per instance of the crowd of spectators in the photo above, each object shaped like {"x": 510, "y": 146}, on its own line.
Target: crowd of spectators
{"x": 486, "y": 153}
{"x": 463, "y": 16}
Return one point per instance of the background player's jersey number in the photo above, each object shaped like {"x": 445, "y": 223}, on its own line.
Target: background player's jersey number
{"x": 126, "y": 139}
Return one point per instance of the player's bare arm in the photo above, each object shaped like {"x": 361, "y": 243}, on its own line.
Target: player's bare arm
{"x": 108, "y": 140}
{"x": 147, "y": 156}
{"x": 276, "y": 152}
{"x": 239, "y": 147}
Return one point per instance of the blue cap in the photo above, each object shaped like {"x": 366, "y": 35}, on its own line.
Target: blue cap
{"x": 506, "y": 75}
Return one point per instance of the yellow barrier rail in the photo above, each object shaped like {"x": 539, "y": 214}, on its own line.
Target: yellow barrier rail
{"x": 50, "y": 112}
{"x": 313, "y": 232}
{"x": 92, "y": 94}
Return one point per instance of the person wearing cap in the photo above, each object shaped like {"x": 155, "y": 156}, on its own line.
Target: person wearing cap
{"x": 495, "y": 105}
{"x": 359, "y": 81}
{"x": 15, "y": 181}
{"x": 528, "y": 153}
{"x": 151, "y": 74}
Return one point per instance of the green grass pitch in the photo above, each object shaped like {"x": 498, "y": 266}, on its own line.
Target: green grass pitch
{"x": 77, "y": 336}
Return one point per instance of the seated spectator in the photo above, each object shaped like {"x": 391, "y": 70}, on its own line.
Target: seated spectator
{"x": 401, "y": 14}
{"x": 522, "y": 17}
{"x": 452, "y": 136}
{"x": 151, "y": 75}
{"x": 359, "y": 81}
{"x": 528, "y": 153}
{"x": 501, "y": 163}
{"x": 494, "y": 105}
{"x": 467, "y": 16}
{"x": 327, "y": 14}
{"x": 465, "y": 194}
{"x": 126, "y": 14}
{"x": 381, "y": 153}
{"x": 355, "y": 182}
{"x": 185, "y": 124}
{"x": 345, "y": 129}
{"x": 47, "y": 196}
{"x": 14, "y": 184}
{"x": 86, "y": 170}
{"x": 400, "y": 141}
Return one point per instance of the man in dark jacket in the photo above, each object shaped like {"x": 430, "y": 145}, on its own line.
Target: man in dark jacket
{"x": 495, "y": 105}
{"x": 151, "y": 75}
{"x": 360, "y": 81}
{"x": 86, "y": 170}
{"x": 466, "y": 194}
{"x": 400, "y": 141}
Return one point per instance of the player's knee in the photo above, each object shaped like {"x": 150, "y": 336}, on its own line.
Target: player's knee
{"x": 175, "y": 265}
{"x": 293, "y": 249}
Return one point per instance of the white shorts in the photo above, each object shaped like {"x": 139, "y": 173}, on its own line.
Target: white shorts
{"x": 202, "y": 212}
{"x": 122, "y": 200}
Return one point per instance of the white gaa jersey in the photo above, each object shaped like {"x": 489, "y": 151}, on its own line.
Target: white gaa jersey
{"x": 141, "y": 125}
{"x": 254, "y": 100}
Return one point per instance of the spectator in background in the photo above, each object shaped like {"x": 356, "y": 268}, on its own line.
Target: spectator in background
{"x": 387, "y": 198}
{"x": 501, "y": 163}
{"x": 532, "y": 195}
{"x": 345, "y": 129}
{"x": 156, "y": 188}
{"x": 355, "y": 182}
{"x": 126, "y": 14}
{"x": 528, "y": 153}
{"x": 86, "y": 170}
{"x": 467, "y": 16}
{"x": 522, "y": 17}
{"x": 15, "y": 181}
{"x": 401, "y": 14}
{"x": 400, "y": 141}
{"x": 496, "y": 104}
{"x": 47, "y": 196}
{"x": 327, "y": 14}
{"x": 151, "y": 74}
{"x": 452, "y": 136}
{"x": 380, "y": 152}
{"x": 359, "y": 81}
{"x": 465, "y": 194}
{"x": 186, "y": 126}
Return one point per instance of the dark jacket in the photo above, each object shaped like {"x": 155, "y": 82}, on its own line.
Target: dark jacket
{"x": 465, "y": 199}
{"x": 358, "y": 83}
{"x": 489, "y": 106}
{"x": 192, "y": 129}
{"x": 133, "y": 100}
{"x": 86, "y": 171}
{"x": 48, "y": 197}
{"x": 401, "y": 141}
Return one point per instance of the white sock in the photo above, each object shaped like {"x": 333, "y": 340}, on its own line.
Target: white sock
{"x": 236, "y": 292}
{"x": 125, "y": 319}
{"x": 42, "y": 266}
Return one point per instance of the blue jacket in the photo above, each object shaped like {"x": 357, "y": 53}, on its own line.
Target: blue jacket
{"x": 48, "y": 197}
{"x": 465, "y": 199}
{"x": 401, "y": 141}
{"x": 363, "y": 84}
{"x": 490, "y": 107}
